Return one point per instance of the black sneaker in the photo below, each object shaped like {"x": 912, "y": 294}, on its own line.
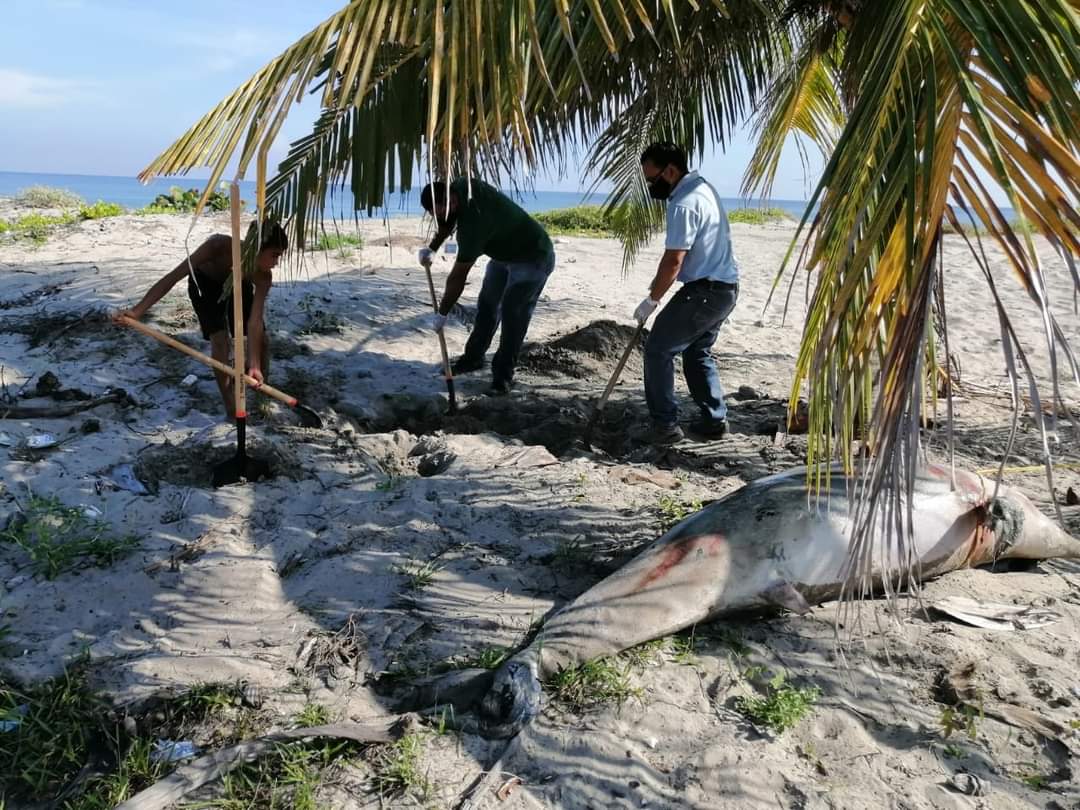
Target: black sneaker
{"x": 499, "y": 388}
{"x": 466, "y": 365}
{"x": 662, "y": 435}
{"x": 710, "y": 428}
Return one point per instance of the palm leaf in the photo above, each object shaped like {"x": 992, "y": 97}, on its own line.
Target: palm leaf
{"x": 935, "y": 91}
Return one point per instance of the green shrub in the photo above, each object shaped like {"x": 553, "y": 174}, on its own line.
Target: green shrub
{"x": 100, "y": 210}
{"x": 338, "y": 241}
{"x": 782, "y": 706}
{"x": 582, "y": 220}
{"x": 179, "y": 201}
{"x": 758, "y": 216}
{"x": 48, "y": 197}
{"x": 35, "y": 227}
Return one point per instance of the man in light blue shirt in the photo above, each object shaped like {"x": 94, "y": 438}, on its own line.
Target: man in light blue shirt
{"x": 697, "y": 253}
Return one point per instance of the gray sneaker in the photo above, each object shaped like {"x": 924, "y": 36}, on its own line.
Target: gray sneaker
{"x": 662, "y": 435}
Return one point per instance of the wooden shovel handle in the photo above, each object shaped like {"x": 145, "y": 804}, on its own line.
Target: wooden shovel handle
{"x": 237, "y": 302}
{"x": 447, "y": 373}
{"x": 172, "y": 343}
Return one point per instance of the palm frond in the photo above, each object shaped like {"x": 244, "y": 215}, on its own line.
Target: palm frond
{"x": 802, "y": 102}
{"x": 935, "y": 92}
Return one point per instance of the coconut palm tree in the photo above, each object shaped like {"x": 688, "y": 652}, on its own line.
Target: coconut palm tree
{"x": 926, "y": 111}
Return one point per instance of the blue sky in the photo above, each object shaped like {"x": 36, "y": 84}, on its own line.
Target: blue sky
{"x": 102, "y": 86}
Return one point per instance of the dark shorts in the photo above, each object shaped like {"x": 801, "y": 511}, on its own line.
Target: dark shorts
{"x": 214, "y": 313}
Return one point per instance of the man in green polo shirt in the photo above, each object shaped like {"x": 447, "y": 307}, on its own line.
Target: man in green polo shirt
{"x": 521, "y": 259}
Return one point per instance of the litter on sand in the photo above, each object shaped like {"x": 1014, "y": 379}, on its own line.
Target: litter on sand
{"x": 123, "y": 475}
{"x": 994, "y": 615}
{"x": 41, "y": 441}
{"x": 173, "y": 750}
{"x": 188, "y": 381}
{"x": 6, "y": 440}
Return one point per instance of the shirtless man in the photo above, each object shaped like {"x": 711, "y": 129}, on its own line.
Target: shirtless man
{"x": 212, "y": 264}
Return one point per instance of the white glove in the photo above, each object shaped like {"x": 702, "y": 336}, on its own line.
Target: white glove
{"x": 425, "y": 255}
{"x": 438, "y": 322}
{"x": 645, "y": 309}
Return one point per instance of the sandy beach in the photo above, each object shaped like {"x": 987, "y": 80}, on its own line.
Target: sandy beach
{"x": 367, "y": 529}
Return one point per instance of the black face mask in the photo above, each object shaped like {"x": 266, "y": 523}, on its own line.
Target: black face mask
{"x": 660, "y": 189}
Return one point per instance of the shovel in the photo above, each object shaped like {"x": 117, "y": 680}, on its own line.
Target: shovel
{"x": 307, "y": 416}
{"x": 599, "y": 409}
{"x": 240, "y": 467}
{"x": 447, "y": 373}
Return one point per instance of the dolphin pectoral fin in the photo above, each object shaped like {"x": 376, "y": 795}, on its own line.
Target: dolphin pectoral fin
{"x": 784, "y": 595}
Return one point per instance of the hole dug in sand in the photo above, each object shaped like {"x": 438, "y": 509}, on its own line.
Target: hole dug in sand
{"x": 191, "y": 464}
{"x": 555, "y": 421}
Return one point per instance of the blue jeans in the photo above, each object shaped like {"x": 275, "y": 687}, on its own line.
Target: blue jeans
{"x": 509, "y": 296}
{"x": 688, "y": 325}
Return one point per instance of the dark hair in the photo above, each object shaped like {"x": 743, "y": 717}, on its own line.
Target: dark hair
{"x": 430, "y": 192}
{"x": 273, "y": 237}
{"x": 665, "y": 152}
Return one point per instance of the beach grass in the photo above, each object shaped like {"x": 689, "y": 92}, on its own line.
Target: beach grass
{"x": 58, "y": 538}
{"x": 758, "y": 216}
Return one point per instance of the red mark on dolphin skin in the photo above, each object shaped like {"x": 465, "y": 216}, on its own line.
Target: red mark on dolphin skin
{"x": 678, "y": 551}
{"x": 969, "y": 484}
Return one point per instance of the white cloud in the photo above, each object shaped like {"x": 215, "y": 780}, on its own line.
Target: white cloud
{"x": 222, "y": 51}
{"x": 21, "y": 89}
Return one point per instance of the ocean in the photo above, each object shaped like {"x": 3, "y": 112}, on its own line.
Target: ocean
{"x": 130, "y": 193}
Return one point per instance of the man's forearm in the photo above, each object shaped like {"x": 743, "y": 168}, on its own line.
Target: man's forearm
{"x": 440, "y": 236}
{"x": 665, "y": 276}
{"x": 455, "y": 285}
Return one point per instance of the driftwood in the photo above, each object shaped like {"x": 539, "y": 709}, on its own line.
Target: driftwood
{"x": 57, "y": 411}
{"x": 197, "y": 773}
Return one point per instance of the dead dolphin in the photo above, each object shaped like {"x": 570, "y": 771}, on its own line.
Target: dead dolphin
{"x": 766, "y": 544}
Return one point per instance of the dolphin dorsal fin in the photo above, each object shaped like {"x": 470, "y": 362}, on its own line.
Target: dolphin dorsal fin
{"x": 783, "y": 594}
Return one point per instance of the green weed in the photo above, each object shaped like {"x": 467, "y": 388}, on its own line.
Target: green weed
{"x": 391, "y": 483}
{"x": 134, "y": 772}
{"x": 684, "y": 649}
{"x": 757, "y": 216}
{"x": 101, "y": 210}
{"x": 289, "y": 777}
{"x": 673, "y": 511}
{"x": 581, "y": 220}
{"x": 487, "y": 658}
{"x": 59, "y": 538}
{"x": 313, "y": 714}
{"x": 644, "y": 655}
{"x": 342, "y": 242}
{"x": 57, "y": 723}
{"x": 47, "y": 197}
{"x": 419, "y": 574}
{"x": 960, "y": 718}
{"x": 1032, "y": 777}
{"x": 782, "y": 706}
{"x": 592, "y": 684}
{"x": 953, "y": 751}
{"x": 570, "y": 556}
{"x": 398, "y": 769}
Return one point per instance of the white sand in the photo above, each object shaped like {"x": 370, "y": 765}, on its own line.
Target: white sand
{"x": 512, "y": 533}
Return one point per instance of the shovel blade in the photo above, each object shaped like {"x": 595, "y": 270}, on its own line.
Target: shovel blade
{"x": 240, "y": 468}
{"x": 308, "y": 417}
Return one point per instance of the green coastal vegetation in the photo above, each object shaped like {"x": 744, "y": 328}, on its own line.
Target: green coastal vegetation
{"x": 595, "y": 220}
{"x": 36, "y": 227}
